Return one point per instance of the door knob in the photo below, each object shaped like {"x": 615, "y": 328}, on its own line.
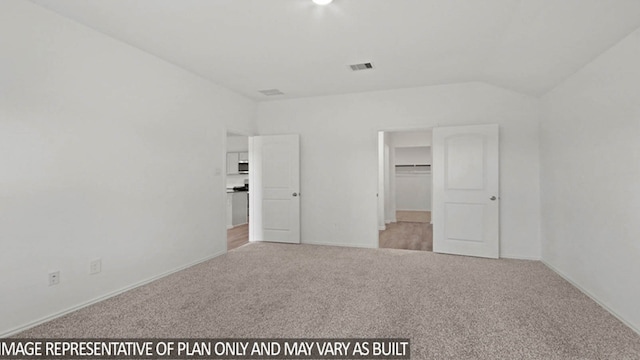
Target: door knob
{"x": 493, "y": 198}
{"x": 294, "y": 194}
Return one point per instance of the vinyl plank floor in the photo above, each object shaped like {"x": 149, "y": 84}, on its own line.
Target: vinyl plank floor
{"x": 237, "y": 236}
{"x": 413, "y": 216}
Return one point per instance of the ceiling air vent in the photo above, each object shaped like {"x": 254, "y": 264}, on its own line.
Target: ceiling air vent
{"x": 271, "y": 92}
{"x": 363, "y": 66}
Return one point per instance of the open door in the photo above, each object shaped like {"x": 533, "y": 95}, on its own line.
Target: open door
{"x": 466, "y": 208}
{"x": 274, "y": 209}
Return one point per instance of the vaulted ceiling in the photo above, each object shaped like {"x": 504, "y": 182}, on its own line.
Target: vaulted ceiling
{"x": 304, "y": 50}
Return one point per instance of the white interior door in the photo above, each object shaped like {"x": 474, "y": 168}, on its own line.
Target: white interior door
{"x": 274, "y": 180}
{"x": 466, "y": 207}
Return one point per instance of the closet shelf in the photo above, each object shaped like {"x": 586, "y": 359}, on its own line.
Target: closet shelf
{"x": 413, "y": 169}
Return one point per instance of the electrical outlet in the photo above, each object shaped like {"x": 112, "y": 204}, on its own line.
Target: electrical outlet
{"x": 54, "y": 278}
{"x": 95, "y": 266}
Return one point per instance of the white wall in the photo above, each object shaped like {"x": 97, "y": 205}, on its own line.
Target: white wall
{"x": 338, "y": 137}
{"x": 413, "y": 187}
{"x": 590, "y": 152}
{"x": 390, "y": 180}
{"x": 382, "y": 181}
{"x": 106, "y": 152}
{"x": 414, "y": 155}
{"x": 411, "y": 138}
{"x": 413, "y": 191}
{"x": 237, "y": 143}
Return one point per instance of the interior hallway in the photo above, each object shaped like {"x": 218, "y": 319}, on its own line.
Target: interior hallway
{"x": 412, "y": 231}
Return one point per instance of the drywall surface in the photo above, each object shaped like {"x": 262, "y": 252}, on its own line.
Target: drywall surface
{"x": 411, "y": 138}
{"x": 237, "y": 143}
{"x": 382, "y": 181}
{"x": 413, "y": 191}
{"x": 590, "y": 154}
{"x": 390, "y": 180}
{"x": 414, "y": 155}
{"x": 106, "y": 152}
{"x": 413, "y": 186}
{"x": 338, "y": 137}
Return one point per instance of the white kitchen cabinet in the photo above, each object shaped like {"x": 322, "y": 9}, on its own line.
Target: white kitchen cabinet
{"x": 232, "y": 163}
{"x": 243, "y": 156}
{"x": 240, "y": 208}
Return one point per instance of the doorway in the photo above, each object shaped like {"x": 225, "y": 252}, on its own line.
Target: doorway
{"x": 405, "y": 190}
{"x": 237, "y": 185}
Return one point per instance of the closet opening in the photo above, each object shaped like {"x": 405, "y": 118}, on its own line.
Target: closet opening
{"x": 405, "y": 190}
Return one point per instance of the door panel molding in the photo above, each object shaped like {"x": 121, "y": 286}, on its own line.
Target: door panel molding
{"x": 466, "y": 208}
{"x": 274, "y": 178}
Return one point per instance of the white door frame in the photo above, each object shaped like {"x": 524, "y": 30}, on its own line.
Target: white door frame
{"x": 381, "y": 187}
{"x": 378, "y": 152}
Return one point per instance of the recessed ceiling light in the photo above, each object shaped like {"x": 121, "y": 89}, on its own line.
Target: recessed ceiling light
{"x": 322, "y": 2}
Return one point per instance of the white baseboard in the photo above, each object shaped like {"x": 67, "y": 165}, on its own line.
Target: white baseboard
{"x": 365, "y": 246}
{"x": 592, "y": 297}
{"x": 519, "y": 257}
{"x": 104, "y": 297}
{"x": 382, "y": 228}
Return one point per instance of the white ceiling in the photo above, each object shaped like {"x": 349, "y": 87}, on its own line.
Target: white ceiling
{"x": 304, "y": 49}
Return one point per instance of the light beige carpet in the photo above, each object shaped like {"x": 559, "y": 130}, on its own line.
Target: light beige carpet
{"x": 451, "y": 307}
{"x": 407, "y": 236}
{"x": 413, "y": 216}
